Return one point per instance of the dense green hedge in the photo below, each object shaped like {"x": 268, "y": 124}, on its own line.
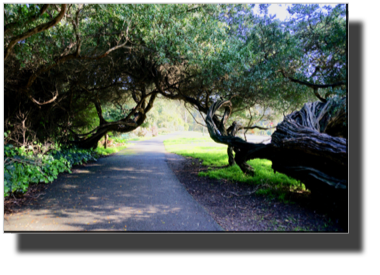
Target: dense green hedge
{"x": 22, "y": 166}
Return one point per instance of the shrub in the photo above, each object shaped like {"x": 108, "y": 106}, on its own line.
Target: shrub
{"x": 22, "y": 166}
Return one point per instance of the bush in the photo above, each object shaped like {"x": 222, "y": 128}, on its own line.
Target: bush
{"x": 22, "y": 166}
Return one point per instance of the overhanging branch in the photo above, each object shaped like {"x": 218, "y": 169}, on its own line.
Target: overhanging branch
{"x": 314, "y": 86}
{"x": 33, "y": 31}
{"x": 11, "y": 26}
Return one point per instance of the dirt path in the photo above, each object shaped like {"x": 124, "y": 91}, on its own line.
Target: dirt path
{"x": 133, "y": 190}
{"x": 236, "y": 208}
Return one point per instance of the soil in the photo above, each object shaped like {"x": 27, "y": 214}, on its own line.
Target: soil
{"x": 236, "y": 207}
{"x": 14, "y": 203}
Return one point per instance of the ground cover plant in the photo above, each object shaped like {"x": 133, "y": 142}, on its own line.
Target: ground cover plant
{"x": 214, "y": 155}
{"x": 24, "y": 165}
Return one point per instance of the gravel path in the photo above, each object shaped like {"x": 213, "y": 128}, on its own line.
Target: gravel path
{"x": 133, "y": 190}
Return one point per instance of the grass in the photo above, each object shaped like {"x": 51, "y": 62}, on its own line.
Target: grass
{"x": 215, "y": 155}
{"x": 111, "y": 150}
{"x": 204, "y": 148}
{"x": 138, "y": 138}
{"x": 124, "y": 140}
{"x": 119, "y": 144}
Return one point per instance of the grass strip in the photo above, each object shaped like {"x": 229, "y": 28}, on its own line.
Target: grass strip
{"x": 111, "y": 150}
{"x": 215, "y": 155}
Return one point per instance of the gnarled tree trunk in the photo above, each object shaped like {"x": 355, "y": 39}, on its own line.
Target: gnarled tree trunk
{"x": 303, "y": 149}
{"x": 302, "y": 145}
{"x": 125, "y": 125}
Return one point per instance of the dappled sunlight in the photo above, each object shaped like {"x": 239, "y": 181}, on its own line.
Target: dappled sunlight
{"x": 130, "y": 169}
{"x": 93, "y": 164}
{"x": 95, "y": 130}
{"x": 93, "y": 198}
{"x": 81, "y": 171}
{"x": 135, "y": 171}
{"x": 216, "y": 156}
{"x": 127, "y": 169}
{"x": 69, "y": 186}
{"x": 139, "y": 213}
{"x": 96, "y": 218}
{"x": 116, "y": 194}
{"x": 71, "y": 176}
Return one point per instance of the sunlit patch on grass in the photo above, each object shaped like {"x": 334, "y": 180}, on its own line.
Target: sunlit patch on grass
{"x": 111, "y": 150}
{"x": 271, "y": 184}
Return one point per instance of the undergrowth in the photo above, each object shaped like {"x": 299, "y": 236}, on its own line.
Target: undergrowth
{"x": 22, "y": 165}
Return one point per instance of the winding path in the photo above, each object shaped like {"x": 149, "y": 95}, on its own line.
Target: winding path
{"x": 133, "y": 190}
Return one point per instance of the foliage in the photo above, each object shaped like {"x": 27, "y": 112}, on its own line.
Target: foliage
{"x": 22, "y": 166}
{"x": 166, "y": 114}
{"x": 75, "y": 156}
{"x": 101, "y": 67}
{"x": 321, "y": 37}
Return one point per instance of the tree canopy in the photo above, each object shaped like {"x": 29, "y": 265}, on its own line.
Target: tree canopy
{"x": 64, "y": 65}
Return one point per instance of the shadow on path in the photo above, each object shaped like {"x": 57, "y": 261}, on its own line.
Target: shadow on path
{"x": 133, "y": 190}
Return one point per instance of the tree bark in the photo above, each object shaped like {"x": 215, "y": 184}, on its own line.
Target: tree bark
{"x": 300, "y": 147}
{"x": 105, "y": 142}
{"x": 303, "y": 149}
{"x": 231, "y": 159}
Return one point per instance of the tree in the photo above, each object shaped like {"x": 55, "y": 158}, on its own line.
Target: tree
{"x": 74, "y": 72}
{"x": 308, "y": 145}
{"x": 321, "y": 36}
{"x": 101, "y": 57}
{"x": 102, "y": 54}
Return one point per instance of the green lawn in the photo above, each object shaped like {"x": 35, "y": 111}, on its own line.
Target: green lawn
{"x": 215, "y": 155}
